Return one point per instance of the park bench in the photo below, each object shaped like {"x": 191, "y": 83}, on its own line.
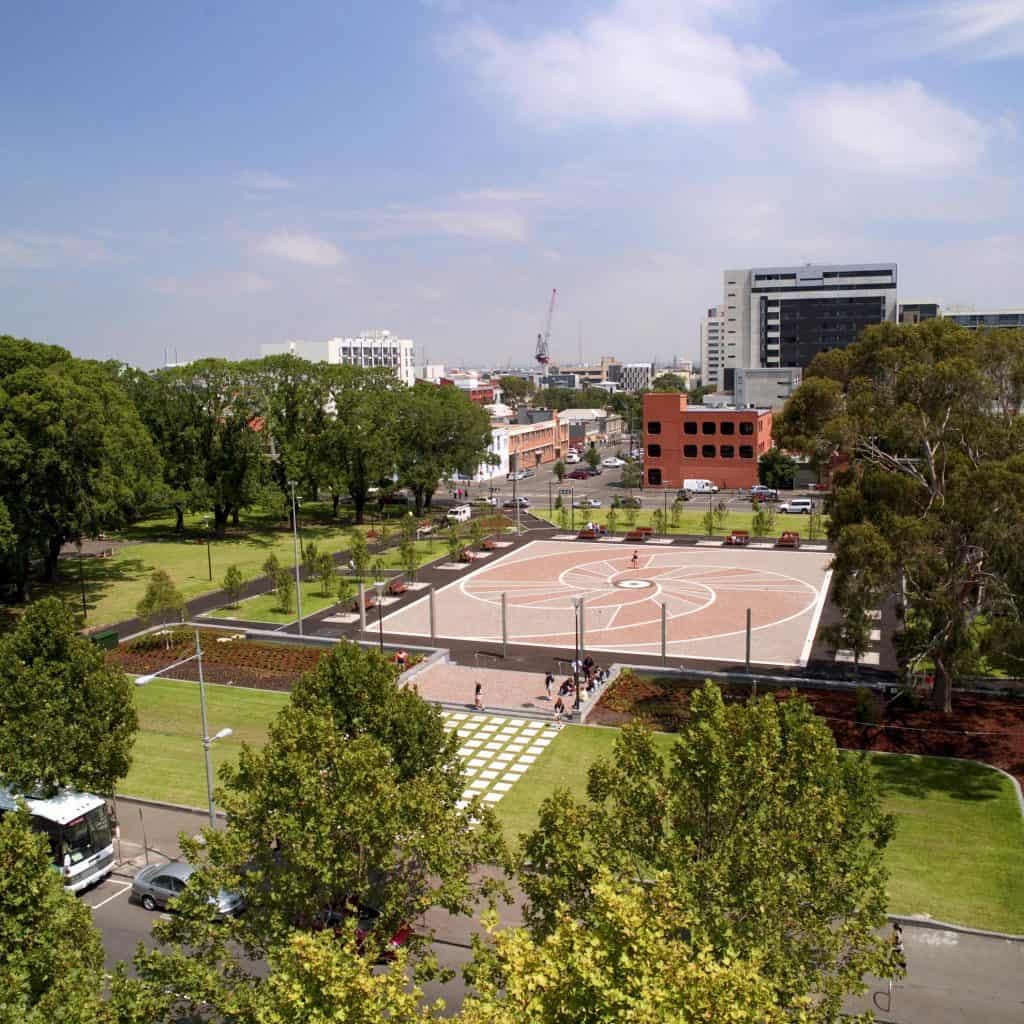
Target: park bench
{"x": 489, "y": 545}
{"x": 370, "y": 601}
{"x": 647, "y": 531}
{"x": 738, "y": 538}
{"x": 587, "y": 533}
{"x": 467, "y": 555}
{"x": 397, "y": 586}
{"x": 637, "y": 536}
{"x": 789, "y": 539}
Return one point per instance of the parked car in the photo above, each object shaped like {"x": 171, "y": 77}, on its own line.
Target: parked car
{"x": 520, "y": 474}
{"x": 521, "y": 502}
{"x": 587, "y": 503}
{"x": 636, "y": 453}
{"x": 156, "y": 885}
{"x": 489, "y": 502}
{"x": 366, "y": 918}
{"x": 618, "y": 502}
{"x": 613, "y": 462}
{"x": 583, "y": 473}
{"x": 572, "y": 456}
{"x": 800, "y": 506}
{"x": 699, "y": 485}
{"x": 761, "y": 493}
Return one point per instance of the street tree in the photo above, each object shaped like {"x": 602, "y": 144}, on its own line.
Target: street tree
{"x": 516, "y": 391}
{"x": 232, "y": 583}
{"x": 658, "y": 520}
{"x": 161, "y": 599}
{"x": 611, "y": 520}
{"x": 270, "y": 565}
{"x": 592, "y": 458}
{"x": 359, "y": 553}
{"x": 624, "y": 964}
{"x": 284, "y": 589}
{"x": 476, "y": 533}
{"x": 353, "y": 801}
{"x": 324, "y": 572}
{"x": 559, "y": 470}
{"x": 770, "y": 839}
{"x": 761, "y": 522}
{"x": 454, "y": 542}
{"x": 776, "y": 469}
{"x": 632, "y": 475}
{"x": 67, "y": 719}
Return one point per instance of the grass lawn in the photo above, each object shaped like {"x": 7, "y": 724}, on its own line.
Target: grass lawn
{"x": 263, "y": 607}
{"x": 115, "y": 585}
{"x": 168, "y": 759}
{"x": 691, "y": 521}
{"x": 956, "y": 854}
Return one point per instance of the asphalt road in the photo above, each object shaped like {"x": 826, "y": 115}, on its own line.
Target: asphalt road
{"x": 952, "y": 978}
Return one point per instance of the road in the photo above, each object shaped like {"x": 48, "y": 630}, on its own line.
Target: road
{"x": 952, "y": 978}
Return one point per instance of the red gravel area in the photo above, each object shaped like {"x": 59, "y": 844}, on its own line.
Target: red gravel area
{"x": 266, "y": 666}
{"x": 983, "y": 728}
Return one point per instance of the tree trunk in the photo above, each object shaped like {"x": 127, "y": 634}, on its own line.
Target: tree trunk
{"x": 53, "y": 546}
{"x": 235, "y": 521}
{"x": 417, "y": 493}
{"x": 179, "y": 518}
{"x": 429, "y": 499}
{"x": 335, "y": 502}
{"x": 942, "y": 689}
{"x": 220, "y": 520}
{"x": 358, "y": 504}
{"x": 21, "y": 562}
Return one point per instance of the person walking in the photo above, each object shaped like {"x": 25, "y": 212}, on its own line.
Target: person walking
{"x": 549, "y": 680}
{"x": 478, "y": 698}
{"x": 635, "y": 560}
{"x": 559, "y": 711}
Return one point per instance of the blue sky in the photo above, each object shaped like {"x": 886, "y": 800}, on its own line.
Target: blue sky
{"x": 207, "y": 177}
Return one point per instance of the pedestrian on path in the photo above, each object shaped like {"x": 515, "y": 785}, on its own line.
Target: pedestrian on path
{"x": 478, "y": 699}
{"x": 548, "y": 681}
{"x": 559, "y": 711}
{"x": 899, "y": 955}
{"x": 635, "y": 560}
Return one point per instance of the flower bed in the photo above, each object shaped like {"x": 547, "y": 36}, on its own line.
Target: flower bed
{"x": 980, "y": 727}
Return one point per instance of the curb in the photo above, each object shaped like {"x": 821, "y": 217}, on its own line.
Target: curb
{"x": 167, "y": 806}
{"x": 930, "y": 924}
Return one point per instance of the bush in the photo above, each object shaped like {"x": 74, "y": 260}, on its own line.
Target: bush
{"x": 233, "y": 583}
{"x": 865, "y": 709}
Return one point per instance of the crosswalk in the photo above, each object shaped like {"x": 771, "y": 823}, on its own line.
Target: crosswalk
{"x": 496, "y": 750}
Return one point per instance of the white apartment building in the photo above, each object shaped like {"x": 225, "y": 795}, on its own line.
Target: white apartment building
{"x": 712, "y": 347}
{"x": 785, "y": 316}
{"x": 430, "y": 372}
{"x": 372, "y": 348}
{"x": 765, "y": 387}
{"x": 635, "y": 376}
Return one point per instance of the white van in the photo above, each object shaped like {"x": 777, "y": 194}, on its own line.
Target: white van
{"x": 459, "y": 514}
{"x": 699, "y": 487}
{"x": 801, "y": 506}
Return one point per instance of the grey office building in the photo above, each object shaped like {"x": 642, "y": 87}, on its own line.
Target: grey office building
{"x": 982, "y": 321}
{"x": 785, "y": 316}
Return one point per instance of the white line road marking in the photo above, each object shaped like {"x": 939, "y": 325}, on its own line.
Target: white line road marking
{"x": 119, "y": 892}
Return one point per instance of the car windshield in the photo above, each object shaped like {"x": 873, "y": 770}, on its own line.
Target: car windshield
{"x": 87, "y": 835}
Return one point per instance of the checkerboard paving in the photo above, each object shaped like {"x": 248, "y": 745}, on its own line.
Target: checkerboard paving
{"x": 496, "y": 750}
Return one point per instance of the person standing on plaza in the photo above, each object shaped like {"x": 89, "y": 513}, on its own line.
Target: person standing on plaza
{"x": 635, "y": 560}
{"x": 559, "y": 711}
{"x": 549, "y": 680}
{"x": 478, "y": 698}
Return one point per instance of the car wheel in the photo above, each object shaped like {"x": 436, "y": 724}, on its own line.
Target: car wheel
{"x": 148, "y": 903}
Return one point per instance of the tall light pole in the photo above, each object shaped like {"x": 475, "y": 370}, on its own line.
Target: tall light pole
{"x": 577, "y": 605}
{"x": 379, "y": 587}
{"x": 81, "y": 580}
{"x": 207, "y": 739}
{"x": 295, "y": 538}
{"x": 209, "y": 558}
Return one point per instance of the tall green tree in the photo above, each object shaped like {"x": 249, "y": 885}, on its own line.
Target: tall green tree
{"x": 75, "y": 459}
{"x": 770, "y": 839}
{"x": 592, "y": 458}
{"x": 232, "y": 583}
{"x": 161, "y": 599}
{"x": 516, "y": 391}
{"x": 776, "y": 469}
{"x": 66, "y": 717}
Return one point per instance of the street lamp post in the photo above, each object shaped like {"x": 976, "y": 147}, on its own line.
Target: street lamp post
{"x": 208, "y": 740}
{"x": 81, "y": 580}
{"x": 209, "y": 557}
{"x": 379, "y": 587}
{"x": 295, "y": 538}
{"x": 577, "y": 607}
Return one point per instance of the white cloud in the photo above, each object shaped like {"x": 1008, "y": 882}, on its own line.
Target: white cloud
{"x": 227, "y": 283}
{"x": 640, "y": 60}
{"x": 980, "y": 29}
{"x": 892, "y": 128}
{"x": 28, "y": 250}
{"x": 262, "y": 181}
{"x": 307, "y": 250}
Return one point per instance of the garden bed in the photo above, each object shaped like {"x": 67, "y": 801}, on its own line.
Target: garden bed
{"x": 980, "y": 727}
{"x": 266, "y": 666}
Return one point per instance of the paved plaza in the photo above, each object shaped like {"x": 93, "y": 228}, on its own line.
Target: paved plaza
{"x": 705, "y": 593}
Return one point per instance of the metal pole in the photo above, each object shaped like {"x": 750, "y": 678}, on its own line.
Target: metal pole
{"x": 551, "y": 504}
{"x": 145, "y": 841}
{"x": 81, "y": 580}
{"x": 362, "y": 608}
{"x": 572, "y": 509}
{"x": 583, "y": 652}
{"x": 515, "y": 499}
{"x": 295, "y": 537}
{"x": 664, "y": 635}
{"x": 748, "y": 639}
{"x": 664, "y": 522}
{"x": 576, "y": 663}
{"x": 206, "y": 733}
{"x": 433, "y": 613}
{"x": 380, "y": 619}
{"x": 504, "y": 625}
{"x": 209, "y": 559}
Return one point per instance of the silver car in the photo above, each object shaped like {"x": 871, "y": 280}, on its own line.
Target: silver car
{"x": 157, "y": 884}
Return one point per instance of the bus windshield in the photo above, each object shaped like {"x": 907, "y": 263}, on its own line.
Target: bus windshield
{"x": 86, "y": 835}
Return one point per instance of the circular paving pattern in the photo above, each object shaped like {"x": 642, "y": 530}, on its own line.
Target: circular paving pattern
{"x": 632, "y": 584}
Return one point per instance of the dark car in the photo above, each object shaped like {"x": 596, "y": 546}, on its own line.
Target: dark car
{"x": 761, "y": 493}
{"x": 156, "y": 885}
{"x": 366, "y": 919}
{"x": 521, "y": 502}
{"x": 626, "y": 503}
{"x": 583, "y": 473}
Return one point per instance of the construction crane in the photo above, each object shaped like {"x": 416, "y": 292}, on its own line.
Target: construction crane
{"x": 541, "y": 355}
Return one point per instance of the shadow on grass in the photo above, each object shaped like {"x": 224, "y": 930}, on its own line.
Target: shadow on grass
{"x": 921, "y": 777}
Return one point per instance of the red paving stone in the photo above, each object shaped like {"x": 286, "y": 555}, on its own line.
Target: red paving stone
{"x": 706, "y": 592}
{"x": 508, "y": 691}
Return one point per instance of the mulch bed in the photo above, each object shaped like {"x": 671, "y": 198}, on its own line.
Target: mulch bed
{"x": 266, "y": 666}
{"x": 980, "y": 727}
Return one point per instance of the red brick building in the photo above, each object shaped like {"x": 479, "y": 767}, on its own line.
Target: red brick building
{"x": 685, "y": 442}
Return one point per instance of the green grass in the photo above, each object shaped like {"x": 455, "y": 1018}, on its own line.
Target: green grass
{"x": 959, "y": 836}
{"x": 114, "y": 586}
{"x": 263, "y": 608}
{"x": 168, "y": 759}
{"x": 691, "y": 521}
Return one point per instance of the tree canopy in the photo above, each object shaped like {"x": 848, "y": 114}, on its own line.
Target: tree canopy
{"x": 66, "y": 717}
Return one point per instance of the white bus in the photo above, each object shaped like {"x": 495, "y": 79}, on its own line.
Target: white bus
{"x": 78, "y": 828}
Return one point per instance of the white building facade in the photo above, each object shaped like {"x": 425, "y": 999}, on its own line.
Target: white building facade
{"x": 370, "y": 349}
{"x": 635, "y": 376}
{"x": 765, "y": 387}
{"x": 712, "y": 347}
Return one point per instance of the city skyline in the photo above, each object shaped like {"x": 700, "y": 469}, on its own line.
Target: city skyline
{"x": 209, "y": 181}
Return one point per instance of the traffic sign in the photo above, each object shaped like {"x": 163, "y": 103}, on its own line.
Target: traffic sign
{"x": 565, "y": 490}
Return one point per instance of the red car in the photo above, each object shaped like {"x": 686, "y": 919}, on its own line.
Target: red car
{"x": 580, "y": 474}
{"x": 366, "y": 918}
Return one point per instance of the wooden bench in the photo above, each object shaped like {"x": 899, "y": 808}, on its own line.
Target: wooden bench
{"x": 647, "y": 531}
{"x": 467, "y": 555}
{"x": 587, "y": 534}
{"x": 489, "y": 545}
{"x": 370, "y": 601}
{"x": 637, "y": 536}
{"x": 789, "y": 539}
{"x": 397, "y": 586}
{"x": 738, "y": 538}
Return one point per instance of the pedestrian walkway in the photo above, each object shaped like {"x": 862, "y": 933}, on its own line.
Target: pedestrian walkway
{"x": 497, "y": 751}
